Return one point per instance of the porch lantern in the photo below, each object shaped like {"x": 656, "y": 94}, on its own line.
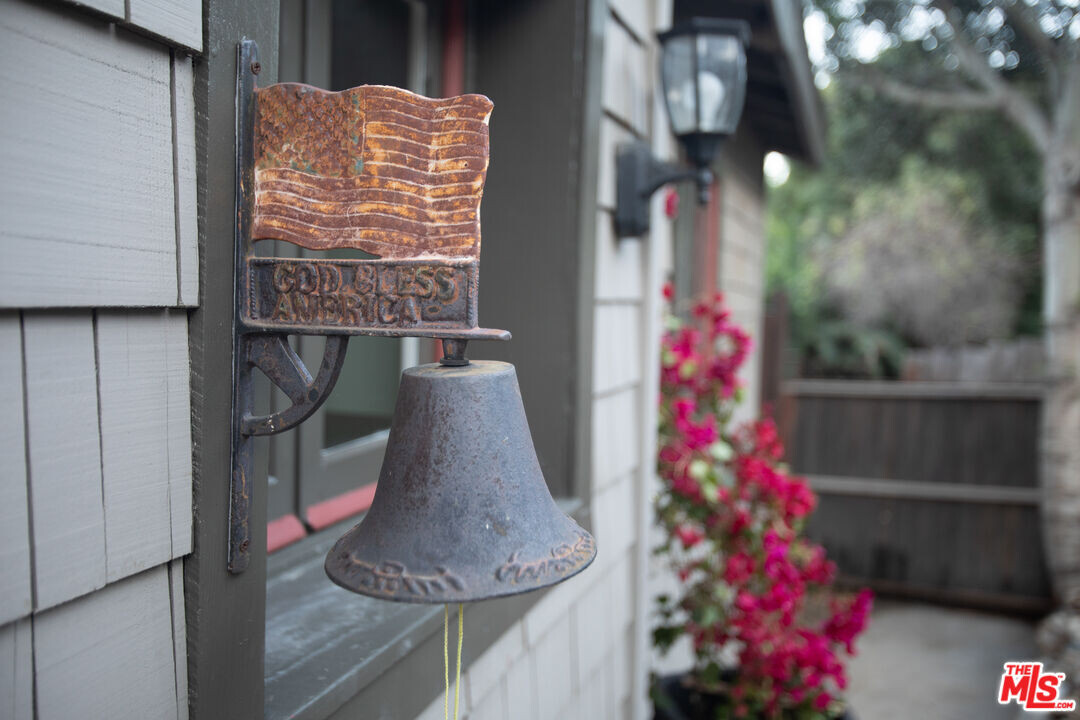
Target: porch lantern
{"x": 703, "y": 73}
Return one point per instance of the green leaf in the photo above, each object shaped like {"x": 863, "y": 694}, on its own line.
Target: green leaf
{"x": 710, "y": 492}
{"x": 706, "y": 615}
{"x": 711, "y": 674}
{"x": 721, "y": 451}
{"x": 665, "y": 636}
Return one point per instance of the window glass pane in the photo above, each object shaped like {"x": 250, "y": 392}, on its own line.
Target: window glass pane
{"x": 368, "y": 47}
{"x": 721, "y": 82}
{"x": 363, "y": 398}
{"x": 677, "y": 71}
{"x": 370, "y": 44}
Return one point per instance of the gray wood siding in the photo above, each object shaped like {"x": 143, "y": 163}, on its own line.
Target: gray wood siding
{"x": 187, "y": 211}
{"x": 15, "y": 598}
{"x": 17, "y": 671}
{"x": 109, "y": 440}
{"x": 87, "y": 177}
{"x": 100, "y": 246}
{"x": 140, "y": 435}
{"x": 65, "y": 456}
{"x": 176, "y": 20}
{"x": 109, "y": 654}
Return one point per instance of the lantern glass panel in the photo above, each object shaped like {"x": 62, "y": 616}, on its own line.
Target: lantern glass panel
{"x": 721, "y": 83}
{"x": 677, "y": 71}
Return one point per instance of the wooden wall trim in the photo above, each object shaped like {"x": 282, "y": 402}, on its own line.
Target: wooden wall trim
{"x": 225, "y": 613}
{"x": 912, "y": 390}
{"x": 920, "y": 490}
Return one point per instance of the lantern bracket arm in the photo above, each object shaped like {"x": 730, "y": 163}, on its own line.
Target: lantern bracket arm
{"x": 638, "y": 175}
{"x": 273, "y": 355}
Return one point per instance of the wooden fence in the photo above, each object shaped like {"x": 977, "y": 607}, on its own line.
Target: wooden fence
{"x": 926, "y": 489}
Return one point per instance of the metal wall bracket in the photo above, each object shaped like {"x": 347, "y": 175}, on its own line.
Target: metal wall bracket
{"x": 305, "y": 161}
{"x": 276, "y": 359}
{"x": 279, "y": 362}
{"x": 638, "y": 175}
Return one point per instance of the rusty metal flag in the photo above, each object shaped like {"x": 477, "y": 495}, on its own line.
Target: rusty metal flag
{"x": 376, "y": 169}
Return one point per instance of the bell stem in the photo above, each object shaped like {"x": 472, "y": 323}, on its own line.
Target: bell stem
{"x": 454, "y": 353}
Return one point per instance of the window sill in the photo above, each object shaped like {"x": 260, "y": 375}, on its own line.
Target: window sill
{"x": 325, "y": 645}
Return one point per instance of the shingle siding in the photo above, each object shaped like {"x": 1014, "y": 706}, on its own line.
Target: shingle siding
{"x": 97, "y": 180}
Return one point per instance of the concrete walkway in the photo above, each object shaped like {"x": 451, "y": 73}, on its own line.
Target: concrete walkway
{"x": 924, "y": 662}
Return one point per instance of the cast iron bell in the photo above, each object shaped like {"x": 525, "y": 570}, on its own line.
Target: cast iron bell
{"x": 461, "y": 511}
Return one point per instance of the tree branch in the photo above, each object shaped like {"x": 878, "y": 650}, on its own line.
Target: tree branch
{"x": 1020, "y": 18}
{"x": 959, "y": 99}
{"x": 1014, "y": 103}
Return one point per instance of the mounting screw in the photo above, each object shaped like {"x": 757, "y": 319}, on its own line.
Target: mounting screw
{"x": 256, "y": 67}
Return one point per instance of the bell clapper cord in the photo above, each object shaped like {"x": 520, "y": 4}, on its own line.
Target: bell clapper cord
{"x": 446, "y": 658}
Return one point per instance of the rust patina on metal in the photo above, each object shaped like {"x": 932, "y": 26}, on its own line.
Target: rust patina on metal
{"x": 374, "y": 169}
{"x": 461, "y": 511}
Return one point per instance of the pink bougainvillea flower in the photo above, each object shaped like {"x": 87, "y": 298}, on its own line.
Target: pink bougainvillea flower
{"x": 726, "y": 493}
{"x": 688, "y": 536}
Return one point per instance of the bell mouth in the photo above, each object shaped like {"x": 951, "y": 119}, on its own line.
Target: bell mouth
{"x": 461, "y": 511}
{"x": 519, "y": 573}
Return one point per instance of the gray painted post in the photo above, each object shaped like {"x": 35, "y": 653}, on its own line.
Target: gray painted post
{"x": 225, "y": 613}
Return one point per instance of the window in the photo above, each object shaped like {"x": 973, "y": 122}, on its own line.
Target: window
{"x": 318, "y": 471}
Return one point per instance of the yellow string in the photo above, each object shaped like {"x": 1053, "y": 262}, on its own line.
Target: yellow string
{"x": 460, "y": 638}
{"x": 446, "y": 659}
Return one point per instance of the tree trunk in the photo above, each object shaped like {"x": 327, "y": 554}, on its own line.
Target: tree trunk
{"x": 1061, "y": 410}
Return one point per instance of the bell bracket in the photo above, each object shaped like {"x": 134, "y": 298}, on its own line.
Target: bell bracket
{"x": 326, "y": 171}
{"x": 273, "y": 355}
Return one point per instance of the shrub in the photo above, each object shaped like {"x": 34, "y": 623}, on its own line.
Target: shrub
{"x": 733, "y": 517}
